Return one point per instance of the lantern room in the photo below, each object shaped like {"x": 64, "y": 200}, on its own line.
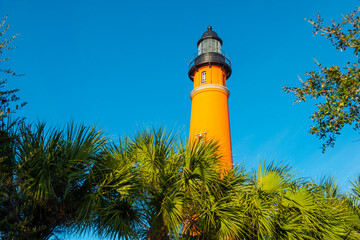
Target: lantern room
{"x": 209, "y": 53}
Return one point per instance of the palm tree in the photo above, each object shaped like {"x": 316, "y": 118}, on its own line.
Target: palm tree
{"x": 354, "y": 200}
{"x": 281, "y": 206}
{"x": 157, "y": 160}
{"x": 50, "y": 173}
{"x": 172, "y": 181}
{"x": 75, "y": 179}
{"x": 111, "y": 207}
{"x": 137, "y": 189}
{"x": 9, "y": 200}
{"x": 209, "y": 210}
{"x": 335, "y": 216}
{"x": 154, "y": 186}
{"x": 272, "y": 203}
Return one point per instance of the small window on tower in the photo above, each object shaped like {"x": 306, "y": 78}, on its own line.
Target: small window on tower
{"x": 203, "y": 77}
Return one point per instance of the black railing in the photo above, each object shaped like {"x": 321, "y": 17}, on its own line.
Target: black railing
{"x": 209, "y": 57}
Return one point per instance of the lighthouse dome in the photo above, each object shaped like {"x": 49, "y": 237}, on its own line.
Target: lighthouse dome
{"x": 209, "y": 34}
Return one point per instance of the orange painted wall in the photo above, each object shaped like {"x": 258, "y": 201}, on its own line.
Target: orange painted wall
{"x": 210, "y": 112}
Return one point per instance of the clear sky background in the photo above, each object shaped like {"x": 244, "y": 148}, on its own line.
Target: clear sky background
{"x": 123, "y": 65}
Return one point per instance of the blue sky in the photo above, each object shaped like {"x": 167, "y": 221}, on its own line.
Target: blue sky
{"x": 122, "y": 65}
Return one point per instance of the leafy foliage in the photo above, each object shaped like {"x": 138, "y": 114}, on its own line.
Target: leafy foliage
{"x": 338, "y": 86}
{"x": 7, "y": 97}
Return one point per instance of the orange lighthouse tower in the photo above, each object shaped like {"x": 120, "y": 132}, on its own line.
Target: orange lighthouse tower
{"x": 210, "y": 111}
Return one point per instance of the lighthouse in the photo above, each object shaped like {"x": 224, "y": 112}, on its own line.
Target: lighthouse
{"x": 209, "y": 71}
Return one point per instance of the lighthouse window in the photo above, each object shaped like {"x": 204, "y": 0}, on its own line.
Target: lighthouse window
{"x": 203, "y": 77}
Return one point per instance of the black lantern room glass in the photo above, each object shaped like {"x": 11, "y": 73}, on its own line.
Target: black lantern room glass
{"x": 209, "y": 45}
